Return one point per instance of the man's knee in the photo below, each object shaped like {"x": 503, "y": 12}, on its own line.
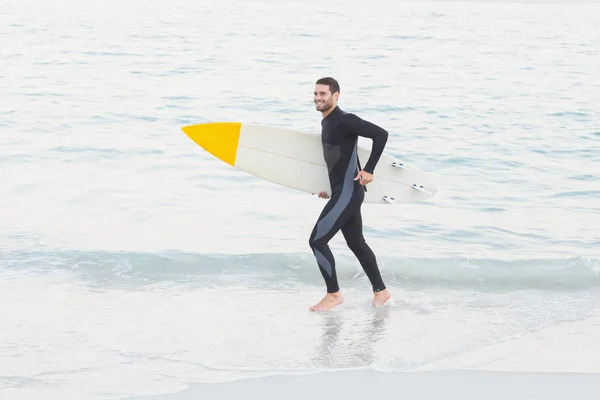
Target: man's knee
{"x": 317, "y": 243}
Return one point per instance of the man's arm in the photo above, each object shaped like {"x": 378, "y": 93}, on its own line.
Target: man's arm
{"x": 369, "y": 130}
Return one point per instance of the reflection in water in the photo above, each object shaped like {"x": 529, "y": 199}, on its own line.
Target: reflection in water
{"x": 328, "y": 345}
{"x": 347, "y": 341}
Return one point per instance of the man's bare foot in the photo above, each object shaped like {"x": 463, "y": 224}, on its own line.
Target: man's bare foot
{"x": 328, "y": 302}
{"x": 379, "y": 298}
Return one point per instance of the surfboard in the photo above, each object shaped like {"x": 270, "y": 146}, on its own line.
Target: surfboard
{"x": 294, "y": 159}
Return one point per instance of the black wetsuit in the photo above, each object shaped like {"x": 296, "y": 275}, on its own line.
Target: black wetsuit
{"x": 340, "y": 132}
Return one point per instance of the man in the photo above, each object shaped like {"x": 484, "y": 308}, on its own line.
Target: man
{"x": 339, "y": 135}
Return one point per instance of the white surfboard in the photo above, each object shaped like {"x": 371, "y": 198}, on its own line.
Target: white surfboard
{"x": 295, "y": 159}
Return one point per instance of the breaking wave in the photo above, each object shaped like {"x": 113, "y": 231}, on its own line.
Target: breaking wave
{"x": 271, "y": 268}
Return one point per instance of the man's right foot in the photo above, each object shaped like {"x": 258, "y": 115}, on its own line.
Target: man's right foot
{"x": 328, "y": 302}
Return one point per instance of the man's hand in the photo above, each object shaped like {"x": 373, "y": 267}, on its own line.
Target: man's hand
{"x": 364, "y": 177}
{"x": 323, "y": 195}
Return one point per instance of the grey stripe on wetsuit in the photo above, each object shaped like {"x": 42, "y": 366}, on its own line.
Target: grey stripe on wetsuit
{"x": 321, "y": 259}
{"x": 326, "y": 224}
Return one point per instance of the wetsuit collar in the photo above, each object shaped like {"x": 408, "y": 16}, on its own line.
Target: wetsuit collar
{"x": 335, "y": 110}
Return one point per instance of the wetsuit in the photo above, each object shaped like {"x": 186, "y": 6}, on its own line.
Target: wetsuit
{"x": 339, "y": 135}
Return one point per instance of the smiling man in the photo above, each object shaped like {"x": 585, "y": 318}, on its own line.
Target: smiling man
{"x": 339, "y": 135}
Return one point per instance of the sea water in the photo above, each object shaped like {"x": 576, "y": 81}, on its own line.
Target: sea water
{"x": 132, "y": 262}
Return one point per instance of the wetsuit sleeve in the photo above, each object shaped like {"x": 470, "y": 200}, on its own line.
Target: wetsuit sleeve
{"x": 360, "y": 127}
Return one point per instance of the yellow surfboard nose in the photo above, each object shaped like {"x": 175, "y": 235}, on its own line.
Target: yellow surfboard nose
{"x": 218, "y": 138}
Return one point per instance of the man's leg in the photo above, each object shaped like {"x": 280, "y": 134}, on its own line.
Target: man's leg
{"x": 330, "y": 221}
{"x": 325, "y": 229}
{"x": 353, "y": 233}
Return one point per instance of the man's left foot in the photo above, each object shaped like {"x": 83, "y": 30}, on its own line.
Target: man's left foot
{"x": 379, "y": 298}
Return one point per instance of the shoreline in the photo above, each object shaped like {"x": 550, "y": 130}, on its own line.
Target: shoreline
{"x": 432, "y": 385}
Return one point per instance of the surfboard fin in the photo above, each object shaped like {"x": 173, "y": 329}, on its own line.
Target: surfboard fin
{"x": 397, "y": 164}
{"x": 420, "y": 188}
{"x": 389, "y": 199}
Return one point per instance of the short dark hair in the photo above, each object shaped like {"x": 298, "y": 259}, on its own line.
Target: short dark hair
{"x": 334, "y": 86}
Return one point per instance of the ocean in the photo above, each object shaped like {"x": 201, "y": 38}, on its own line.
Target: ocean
{"x": 134, "y": 263}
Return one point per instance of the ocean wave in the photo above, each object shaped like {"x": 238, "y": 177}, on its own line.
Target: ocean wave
{"x": 573, "y": 273}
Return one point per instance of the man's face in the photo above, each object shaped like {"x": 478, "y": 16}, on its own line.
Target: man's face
{"x": 323, "y": 99}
